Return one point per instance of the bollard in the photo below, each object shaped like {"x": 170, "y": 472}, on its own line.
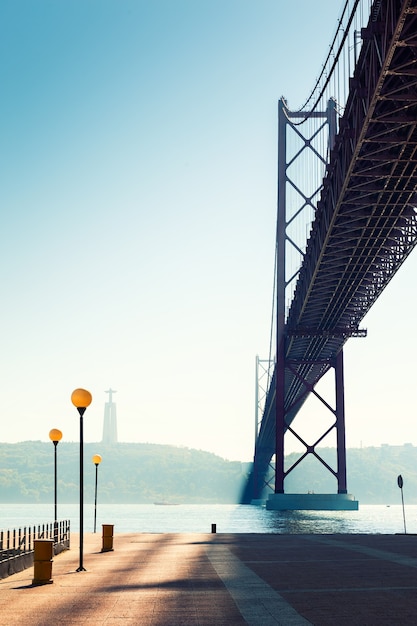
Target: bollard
{"x": 213, "y": 528}
{"x": 107, "y": 537}
{"x": 42, "y": 561}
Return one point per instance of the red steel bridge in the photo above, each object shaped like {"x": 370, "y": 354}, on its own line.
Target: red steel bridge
{"x": 363, "y": 223}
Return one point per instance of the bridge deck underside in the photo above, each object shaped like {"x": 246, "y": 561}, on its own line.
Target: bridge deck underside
{"x": 365, "y": 226}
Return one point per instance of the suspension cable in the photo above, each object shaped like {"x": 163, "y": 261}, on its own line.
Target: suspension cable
{"x": 334, "y": 64}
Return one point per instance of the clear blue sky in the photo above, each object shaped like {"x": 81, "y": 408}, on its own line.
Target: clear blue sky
{"x": 138, "y": 151}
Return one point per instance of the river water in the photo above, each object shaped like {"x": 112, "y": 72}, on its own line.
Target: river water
{"x": 228, "y": 518}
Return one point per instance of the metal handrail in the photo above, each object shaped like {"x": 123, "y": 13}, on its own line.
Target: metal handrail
{"x": 15, "y": 542}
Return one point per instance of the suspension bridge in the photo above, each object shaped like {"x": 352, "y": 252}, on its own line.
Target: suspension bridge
{"x": 346, "y": 222}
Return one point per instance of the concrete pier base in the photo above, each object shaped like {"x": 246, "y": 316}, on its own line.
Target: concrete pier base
{"x": 311, "y": 502}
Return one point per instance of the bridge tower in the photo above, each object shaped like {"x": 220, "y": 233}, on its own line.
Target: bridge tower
{"x": 110, "y": 420}
{"x": 297, "y": 202}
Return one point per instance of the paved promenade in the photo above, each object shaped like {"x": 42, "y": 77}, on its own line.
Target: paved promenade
{"x": 223, "y": 580}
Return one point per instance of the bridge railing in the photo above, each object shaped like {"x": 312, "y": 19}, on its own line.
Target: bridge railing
{"x": 17, "y": 545}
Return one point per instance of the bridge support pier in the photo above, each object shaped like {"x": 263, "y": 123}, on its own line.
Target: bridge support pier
{"x": 311, "y": 502}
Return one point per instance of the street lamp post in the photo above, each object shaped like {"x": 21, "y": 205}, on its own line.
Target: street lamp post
{"x": 96, "y": 460}
{"x": 81, "y": 399}
{"x": 55, "y": 436}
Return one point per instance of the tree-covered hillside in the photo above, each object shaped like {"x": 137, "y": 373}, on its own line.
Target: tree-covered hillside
{"x": 137, "y": 473}
{"x": 146, "y": 473}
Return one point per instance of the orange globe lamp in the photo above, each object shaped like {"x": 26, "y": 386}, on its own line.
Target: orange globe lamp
{"x": 81, "y": 398}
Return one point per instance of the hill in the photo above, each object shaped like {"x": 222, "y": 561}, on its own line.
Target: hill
{"x": 128, "y": 473}
{"x": 146, "y": 473}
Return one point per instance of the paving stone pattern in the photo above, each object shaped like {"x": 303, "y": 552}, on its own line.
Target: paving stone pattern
{"x": 223, "y": 580}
